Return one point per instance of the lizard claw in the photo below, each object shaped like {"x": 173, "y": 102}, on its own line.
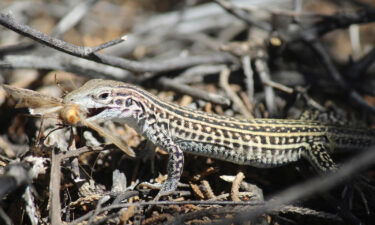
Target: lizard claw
{"x": 168, "y": 187}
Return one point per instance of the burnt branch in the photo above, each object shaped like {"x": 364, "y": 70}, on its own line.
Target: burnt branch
{"x": 336, "y": 75}
{"x": 360, "y": 67}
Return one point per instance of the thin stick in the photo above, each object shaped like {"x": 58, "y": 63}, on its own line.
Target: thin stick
{"x": 54, "y": 189}
{"x": 236, "y": 186}
{"x": 246, "y": 64}
{"x": 242, "y": 15}
{"x": 68, "y": 63}
{"x": 224, "y": 76}
{"x": 264, "y": 74}
{"x": 185, "y": 89}
{"x": 73, "y": 17}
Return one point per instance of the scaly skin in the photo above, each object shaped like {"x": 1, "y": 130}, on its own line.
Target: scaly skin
{"x": 257, "y": 142}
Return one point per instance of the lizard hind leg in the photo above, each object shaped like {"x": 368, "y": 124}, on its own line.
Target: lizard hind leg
{"x": 319, "y": 158}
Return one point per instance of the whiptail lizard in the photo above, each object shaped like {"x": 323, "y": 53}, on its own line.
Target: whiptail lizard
{"x": 256, "y": 142}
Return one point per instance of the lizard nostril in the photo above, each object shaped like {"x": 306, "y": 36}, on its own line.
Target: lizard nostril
{"x": 118, "y": 102}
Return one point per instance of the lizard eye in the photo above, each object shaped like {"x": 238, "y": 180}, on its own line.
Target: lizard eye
{"x": 129, "y": 102}
{"x": 103, "y": 96}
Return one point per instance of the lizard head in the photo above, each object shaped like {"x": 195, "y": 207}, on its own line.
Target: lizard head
{"x": 103, "y": 100}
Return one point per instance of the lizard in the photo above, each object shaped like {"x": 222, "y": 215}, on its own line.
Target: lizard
{"x": 256, "y": 142}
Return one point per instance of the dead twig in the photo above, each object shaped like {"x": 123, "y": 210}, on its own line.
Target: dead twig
{"x": 5, "y": 218}
{"x": 196, "y": 74}
{"x": 224, "y": 76}
{"x": 79, "y": 151}
{"x": 97, "y": 208}
{"x": 236, "y": 186}
{"x": 279, "y": 86}
{"x": 359, "y": 68}
{"x": 227, "y": 195}
{"x": 66, "y": 63}
{"x": 255, "y": 191}
{"x": 72, "y": 18}
{"x": 162, "y": 203}
{"x": 207, "y": 189}
{"x": 262, "y": 69}
{"x": 197, "y": 191}
{"x": 226, "y": 210}
{"x": 16, "y": 48}
{"x": 309, "y": 212}
{"x": 185, "y": 89}
{"x": 54, "y": 188}
{"x": 334, "y": 22}
{"x": 157, "y": 218}
{"x": 126, "y": 214}
{"x": 31, "y": 208}
{"x": 249, "y": 81}
{"x": 242, "y": 15}
{"x": 7, "y": 21}
{"x": 205, "y": 173}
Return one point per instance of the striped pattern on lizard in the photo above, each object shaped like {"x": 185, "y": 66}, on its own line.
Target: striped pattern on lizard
{"x": 256, "y": 142}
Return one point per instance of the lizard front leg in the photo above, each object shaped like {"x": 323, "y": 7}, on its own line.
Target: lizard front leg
{"x": 163, "y": 138}
{"x": 174, "y": 168}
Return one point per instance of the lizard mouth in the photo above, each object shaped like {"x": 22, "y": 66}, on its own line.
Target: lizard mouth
{"x": 95, "y": 111}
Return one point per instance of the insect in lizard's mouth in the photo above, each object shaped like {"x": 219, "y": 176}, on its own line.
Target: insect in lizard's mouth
{"x": 95, "y": 111}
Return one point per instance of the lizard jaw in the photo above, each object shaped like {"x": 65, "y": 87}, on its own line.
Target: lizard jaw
{"x": 101, "y": 113}
{"x": 92, "y": 112}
